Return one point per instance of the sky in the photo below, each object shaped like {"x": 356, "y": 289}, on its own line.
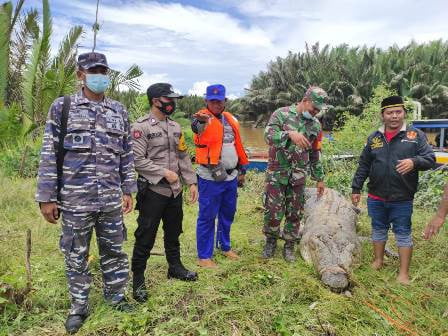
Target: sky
{"x": 194, "y": 43}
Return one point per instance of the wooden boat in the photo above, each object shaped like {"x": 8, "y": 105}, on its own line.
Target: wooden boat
{"x": 257, "y": 160}
{"x": 437, "y": 132}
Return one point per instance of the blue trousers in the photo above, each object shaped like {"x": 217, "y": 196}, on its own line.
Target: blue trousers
{"x": 384, "y": 214}
{"x": 216, "y": 199}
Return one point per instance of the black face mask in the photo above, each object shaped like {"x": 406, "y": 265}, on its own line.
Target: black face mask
{"x": 167, "y": 108}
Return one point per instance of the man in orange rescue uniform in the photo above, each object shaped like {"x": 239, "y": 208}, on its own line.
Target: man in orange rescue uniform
{"x": 221, "y": 158}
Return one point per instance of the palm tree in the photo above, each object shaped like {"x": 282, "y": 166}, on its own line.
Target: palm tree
{"x": 45, "y": 79}
{"x": 19, "y": 29}
{"x": 418, "y": 71}
{"x": 29, "y": 79}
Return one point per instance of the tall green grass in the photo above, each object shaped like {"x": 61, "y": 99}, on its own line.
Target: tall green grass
{"x": 247, "y": 297}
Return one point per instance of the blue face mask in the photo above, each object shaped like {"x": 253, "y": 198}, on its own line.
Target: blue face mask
{"x": 307, "y": 115}
{"x": 97, "y": 83}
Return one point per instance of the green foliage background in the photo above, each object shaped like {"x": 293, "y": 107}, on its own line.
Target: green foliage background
{"x": 349, "y": 75}
{"x": 251, "y": 296}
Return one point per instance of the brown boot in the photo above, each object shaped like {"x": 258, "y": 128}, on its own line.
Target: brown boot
{"x": 231, "y": 255}
{"x": 207, "y": 263}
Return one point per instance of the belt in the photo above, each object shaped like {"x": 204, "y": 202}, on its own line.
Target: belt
{"x": 163, "y": 183}
{"x": 228, "y": 171}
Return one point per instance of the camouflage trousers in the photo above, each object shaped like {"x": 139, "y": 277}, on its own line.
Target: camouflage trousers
{"x": 283, "y": 200}
{"x": 75, "y": 239}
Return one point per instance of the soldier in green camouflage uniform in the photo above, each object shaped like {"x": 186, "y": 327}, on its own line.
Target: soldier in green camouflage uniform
{"x": 294, "y": 137}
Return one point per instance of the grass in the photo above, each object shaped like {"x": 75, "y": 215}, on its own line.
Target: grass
{"x": 247, "y": 297}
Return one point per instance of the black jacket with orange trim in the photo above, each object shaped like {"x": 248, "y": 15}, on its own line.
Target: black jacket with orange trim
{"x": 379, "y": 159}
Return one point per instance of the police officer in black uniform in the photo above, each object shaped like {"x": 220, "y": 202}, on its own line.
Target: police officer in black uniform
{"x": 163, "y": 165}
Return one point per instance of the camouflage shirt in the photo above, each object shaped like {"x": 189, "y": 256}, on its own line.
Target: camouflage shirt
{"x": 287, "y": 160}
{"x": 98, "y": 164}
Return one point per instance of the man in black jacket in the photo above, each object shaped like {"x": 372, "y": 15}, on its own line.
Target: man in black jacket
{"x": 391, "y": 160}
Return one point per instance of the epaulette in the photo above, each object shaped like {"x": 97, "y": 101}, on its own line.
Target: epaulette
{"x": 142, "y": 119}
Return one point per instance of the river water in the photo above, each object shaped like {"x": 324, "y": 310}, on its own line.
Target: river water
{"x": 253, "y": 138}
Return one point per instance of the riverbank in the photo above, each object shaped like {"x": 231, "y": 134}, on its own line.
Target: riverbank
{"x": 247, "y": 297}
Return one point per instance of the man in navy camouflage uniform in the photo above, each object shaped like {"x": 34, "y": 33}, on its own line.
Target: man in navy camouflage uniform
{"x": 97, "y": 181}
{"x": 294, "y": 137}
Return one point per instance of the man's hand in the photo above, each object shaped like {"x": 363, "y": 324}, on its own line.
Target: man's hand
{"x": 299, "y": 139}
{"x": 201, "y": 116}
{"x": 404, "y": 166}
{"x": 320, "y": 188}
{"x": 127, "y": 204}
{"x": 433, "y": 227}
{"x": 241, "y": 180}
{"x": 193, "y": 193}
{"x": 50, "y": 211}
{"x": 171, "y": 176}
{"x": 355, "y": 199}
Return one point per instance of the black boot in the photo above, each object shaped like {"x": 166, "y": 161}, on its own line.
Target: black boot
{"x": 269, "y": 248}
{"x": 123, "y": 306}
{"x": 178, "y": 271}
{"x": 139, "y": 291}
{"x": 74, "y": 323}
{"x": 288, "y": 251}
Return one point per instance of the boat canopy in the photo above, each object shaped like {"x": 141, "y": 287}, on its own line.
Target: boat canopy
{"x": 430, "y": 123}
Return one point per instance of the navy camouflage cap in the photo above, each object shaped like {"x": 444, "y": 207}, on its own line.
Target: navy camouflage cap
{"x": 92, "y": 59}
{"x": 317, "y": 96}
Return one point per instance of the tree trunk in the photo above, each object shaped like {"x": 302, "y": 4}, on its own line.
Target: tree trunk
{"x": 329, "y": 240}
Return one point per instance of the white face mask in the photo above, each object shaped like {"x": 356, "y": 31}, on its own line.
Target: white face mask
{"x": 307, "y": 115}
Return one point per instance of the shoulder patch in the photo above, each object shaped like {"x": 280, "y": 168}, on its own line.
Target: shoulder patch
{"x": 182, "y": 145}
{"x": 141, "y": 119}
{"x": 411, "y": 135}
{"x": 376, "y": 143}
{"x": 137, "y": 134}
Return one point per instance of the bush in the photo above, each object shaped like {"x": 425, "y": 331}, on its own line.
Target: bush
{"x": 352, "y": 136}
{"x": 431, "y": 188}
{"x": 350, "y": 139}
{"x": 21, "y": 159}
{"x": 139, "y": 108}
